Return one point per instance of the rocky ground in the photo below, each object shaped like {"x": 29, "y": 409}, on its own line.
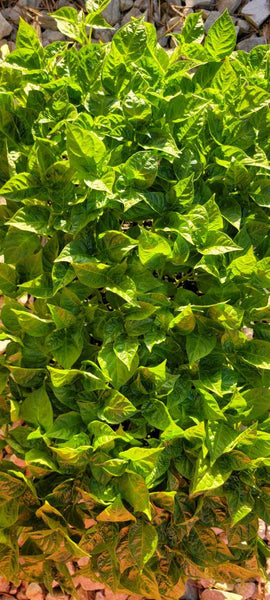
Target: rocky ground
{"x": 204, "y": 589}
{"x": 251, "y": 18}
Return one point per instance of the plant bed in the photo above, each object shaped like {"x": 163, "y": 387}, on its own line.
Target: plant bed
{"x": 135, "y": 318}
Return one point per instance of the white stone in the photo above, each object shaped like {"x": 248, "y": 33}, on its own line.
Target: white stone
{"x": 112, "y": 12}
{"x": 267, "y": 533}
{"x": 207, "y": 583}
{"x": 99, "y": 596}
{"x": 34, "y": 591}
{"x": 13, "y": 590}
{"x": 126, "y": 5}
{"x": 214, "y": 15}
{"x": 83, "y": 561}
{"x": 57, "y": 596}
{"x": 251, "y": 43}
{"x": 87, "y": 584}
{"x": 21, "y": 595}
{"x": 109, "y": 595}
{"x": 231, "y": 5}
{"x": 246, "y": 590}
{"x": 5, "y": 27}
{"x": 267, "y": 587}
{"x": 224, "y": 587}
{"x": 219, "y": 595}
{"x": 262, "y": 529}
{"x": 4, "y": 585}
{"x": 256, "y": 11}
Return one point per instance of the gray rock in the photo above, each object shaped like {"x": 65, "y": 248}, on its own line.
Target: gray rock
{"x": 5, "y": 27}
{"x": 29, "y": 3}
{"x": 199, "y": 4}
{"x": 126, "y": 5}
{"x": 141, "y": 4}
{"x": 104, "y": 35}
{"x": 256, "y": 11}
{"x": 134, "y": 12}
{"x": 4, "y": 585}
{"x": 231, "y": 5}
{"x": 244, "y": 26}
{"x": 246, "y": 590}
{"x": 162, "y": 39}
{"x": 13, "y": 14}
{"x": 47, "y": 22}
{"x": 219, "y": 595}
{"x": 191, "y": 591}
{"x": 214, "y": 15}
{"x": 49, "y": 36}
{"x": 112, "y": 12}
{"x": 174, "y": 24}
{"x": 251, "y": 43}
{"x": 63, "y": 3}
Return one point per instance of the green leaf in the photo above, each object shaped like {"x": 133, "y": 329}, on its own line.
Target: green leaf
{"x": 65, "y": 426}
{"x": 131, "y": 40}
{"x": 152, "y": 247}
{"x": 221, "y": 38}
{"x": 96, "y": 6}
{"x": 37, "y": 409}
{"x": 211, "y": 409}
{"x": 67, "y": 22}
{"x": 218, "y": 243}
{"x": 19, "y": 187}
{"x": 116, "y": 512}
{"x": 257, "y": 353}
{"x": 66, "y": 345}
{"x": 8, "y": 279}
{"x": 85, "y": 149}
{"x": 143, "y": 540}
{"x": 62, "y": 318}
{"x": 32, "y": 324}
{"x": 92, "y": 273}
{"x": 113, "y": 368}
{"x": 31, "y": 218}
{"x": 116, "y": 408}
{"x": 140, "y": 170}
{"x": 193, "y": 30}
{"x": 157, "y": 414}
{"x": 134, "y": 491}
{"x": 125, "y": 349}
{"x": 185, "y": 321}
{"x": 199, "y": 345}
{"x": 27, "y": 37}
{"x": 208, "y": 478}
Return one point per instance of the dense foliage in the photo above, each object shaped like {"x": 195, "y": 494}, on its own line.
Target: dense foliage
{"x": 135, "y": 382}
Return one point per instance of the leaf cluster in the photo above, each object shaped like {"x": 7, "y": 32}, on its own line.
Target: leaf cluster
{"x": 134, "y": 231}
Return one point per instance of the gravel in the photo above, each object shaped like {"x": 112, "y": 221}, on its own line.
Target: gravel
{"x": 251, "y": 17}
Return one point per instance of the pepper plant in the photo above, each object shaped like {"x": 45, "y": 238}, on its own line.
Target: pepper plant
{"x": 135, "y": 274}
